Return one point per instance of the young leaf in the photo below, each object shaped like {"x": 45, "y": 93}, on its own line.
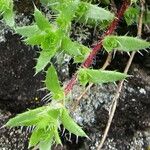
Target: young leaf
{"x": 44, "y": 59}
{"x": 84, "y": 53}
{"x": 41, "y": 136}
{"x": 99, "y": 76}
{"x": 28, "y": 118}
{"x": 53, "y": 85}
{"x": 35, "y": 137}
{"x": 92, "y": 14}
{"x": 124, "y": 43}
{"x": 52, "y": 40}
{"x": 131, "y": 15}
{"x": 6, "y": 8}
{"x": 70, "y": 125}
{"x": 66, "y": 11}
{"x": 41, "y": 21}
{"x": 45, "y": 120}
{"x": 70, "y": 47}
{"x": 35, "y": 39}
{"x": 78, "y": 51}
{"x": 28, "y": 31}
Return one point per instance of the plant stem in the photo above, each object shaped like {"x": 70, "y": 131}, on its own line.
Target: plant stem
{"x": 88, "y": 62}
{"x": 120, "y": 85}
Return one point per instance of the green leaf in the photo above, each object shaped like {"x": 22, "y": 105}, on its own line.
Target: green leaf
{"x": 70, "y": 125}
{"x": 57, "y": 137}
{"x": 124, "y": 43}
{"x": 41, "y": 136}
{"x": 6, "y": 9}
{"x": 131, "y": 15}
{"x": 35, "y": 137}
{"x": 44, "y": 59}
{"x": 92, "y": 14}
{"x": 55, "y": 112}
{"x": 85, "y": 51}
{"x": 70, "y": 47}
{"x": 66, "y": 11}
{"x": 28, "y": 31}
{"x": 37, "y": 39}
{"x": 45, "y": 120}
{"x": 53, "y": 85}
{"x": 52, "y": 40}
{"x": 78, "y": 51}
{"x": 46, "y": 145}
{"x": 41, "y": 21}
{"x": 31, "y": 117}
{"x": 9, "y": 17}
{"x": 99, "y": 76}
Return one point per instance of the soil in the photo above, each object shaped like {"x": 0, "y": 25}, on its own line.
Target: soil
{"x": 19, "y": 91}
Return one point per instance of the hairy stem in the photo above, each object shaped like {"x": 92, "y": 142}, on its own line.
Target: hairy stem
{"x": 88, "y": 62}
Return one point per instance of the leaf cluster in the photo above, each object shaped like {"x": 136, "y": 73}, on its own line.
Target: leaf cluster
{"x": 53, "y": 38}
{"x": 6, "y": 10}
{"x": 46, "y": 121}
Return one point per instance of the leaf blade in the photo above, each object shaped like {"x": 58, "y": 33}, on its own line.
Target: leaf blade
{"x": 44, "y": 59}
{"x": 41, "y": 21}
{"x": 27, "y": 118}
{"x": 99, "y": 76}
{"x": 124, "y": 43}
{"x": 28, "y": 31}
{"x": 70, "y": 125}
{"x": 52, "y": 83}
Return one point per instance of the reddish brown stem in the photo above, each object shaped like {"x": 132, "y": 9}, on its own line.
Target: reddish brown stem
{"x": 87, "y": 63}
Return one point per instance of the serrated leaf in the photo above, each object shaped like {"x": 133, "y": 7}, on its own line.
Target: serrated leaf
{"x": 70, "y": 47}
{"x": 51, "y": 116}
{"x": 124, "y": 43}
{"x": 53, "y": 85}
{"x": 55, "y": 113}
{"x": 41, "y": 21}
{"x": 78, "y": 51}
{"x": 131, "y": 15}
{"x": 6, "y": 9}
{"x": 44, "y": 121}
{"x": 66, "y": 11}
{"x": 70, "y": 125}
{"x": 41, "y": 136}
{"x": 9, "y": 17}
{"x": 92, "y": 14}
{"x": 28, "y": 31}
{"x": 44, "y": 59}
{"x": 35, "y": 39}
{"x": 99, "y": 76}
{"x": 35, "y": 137}
{"x": 52, "y": 40}
{"x": 85, "y": 51}
{"x": 28, "y": 118}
